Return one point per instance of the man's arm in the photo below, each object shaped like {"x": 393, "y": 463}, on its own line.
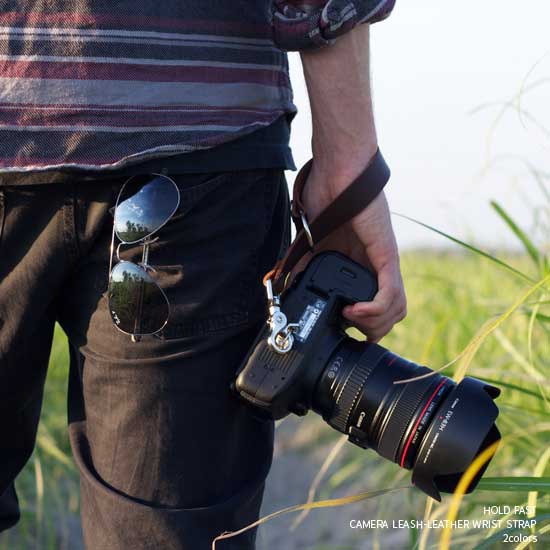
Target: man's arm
{"x": 343, "y": 142}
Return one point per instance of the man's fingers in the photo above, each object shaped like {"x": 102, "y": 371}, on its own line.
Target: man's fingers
{"x": 389, "y": 306}
{"x": 373, "y": 327}
{"x": 390, "y": 300}
{"x": 375, "y": 335}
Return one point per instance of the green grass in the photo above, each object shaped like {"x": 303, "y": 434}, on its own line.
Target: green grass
{"x": 450, "y": 297}
{"x": 48, "y": 486}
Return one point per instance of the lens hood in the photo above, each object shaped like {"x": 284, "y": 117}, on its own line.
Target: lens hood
{"x": 463, "y": 427}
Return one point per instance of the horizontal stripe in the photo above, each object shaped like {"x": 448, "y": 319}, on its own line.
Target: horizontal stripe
{"x": 32, "y": 38}
{"x": 122, "y": 33}
{"x": 143, "y": 73}
{"x": 119, "y": 92}
{"x": 243, "y": 28}
{"x": 131, "y": 108}
{"x": 191, "y": 9}
{"x": 80, "y": 118}
{"x": 52, "y": 47}
{"x": 27, "y": 60}
{"x": 125, "y": 129}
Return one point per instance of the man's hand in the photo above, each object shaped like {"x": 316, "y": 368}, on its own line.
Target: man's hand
{"x": 369, "y": 240}
{"x": 344, "y": 140}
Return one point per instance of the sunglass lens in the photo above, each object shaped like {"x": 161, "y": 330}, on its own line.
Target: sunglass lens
{"x": 145, "y": 204}
{"x": 136, "y": 302}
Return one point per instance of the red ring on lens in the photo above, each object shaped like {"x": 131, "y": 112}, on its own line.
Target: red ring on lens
{"x": 432, "y": 397}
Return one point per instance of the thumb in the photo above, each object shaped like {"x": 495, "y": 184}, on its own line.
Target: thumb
{"x": 388, "y": 287}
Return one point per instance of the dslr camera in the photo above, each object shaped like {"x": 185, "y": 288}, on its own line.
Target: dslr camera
{"x": 432, "y": 425}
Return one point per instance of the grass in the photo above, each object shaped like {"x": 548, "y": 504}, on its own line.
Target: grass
{"x": 450, "y": 297}
{"x": 48, "y": 486}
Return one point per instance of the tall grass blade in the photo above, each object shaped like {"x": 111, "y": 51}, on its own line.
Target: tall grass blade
{"x": 47, "y": 444}
{"x": 538, "y": 175}
{"x": 39, "y": 479}
{"x": 511, "y": 386}
{"x": 331, "y": 457}
{"x": 518, "y": 357}
{"x": 524, "y": 87}
{"x": 530, "y": 352}
{"x": 470, "y": 247}
{"x": 527, "y": 542}
{"x": 428, "y": 507}
{"x": 531, "y": 371}
{"x": 515, "y": 484}
{"x": 538, "y": 316}
{"x": 540, "y": 467}
{"x": 460, "y": 490}
{"x": 329, "y": 503}
{"x": 489, "y": 326}
{"x": 528, "y": 244}
{"x": 440, "y": 511}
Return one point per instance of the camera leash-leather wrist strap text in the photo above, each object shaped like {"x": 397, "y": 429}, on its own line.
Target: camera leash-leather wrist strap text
{"x": 352, "y": 200}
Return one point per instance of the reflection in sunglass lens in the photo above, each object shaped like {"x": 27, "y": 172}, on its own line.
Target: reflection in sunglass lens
{"x": 136, "y": 302}
{"x": 146, "y": 203}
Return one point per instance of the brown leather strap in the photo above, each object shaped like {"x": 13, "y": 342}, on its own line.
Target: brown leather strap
{"x": 296, "y": 206}
{"x": 353, "y": 199}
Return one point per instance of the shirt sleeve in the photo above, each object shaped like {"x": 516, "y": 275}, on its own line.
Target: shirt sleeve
{"x": 310, "y": 24}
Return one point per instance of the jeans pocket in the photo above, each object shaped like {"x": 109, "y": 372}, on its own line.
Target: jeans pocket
{"x": 208, "y": 257}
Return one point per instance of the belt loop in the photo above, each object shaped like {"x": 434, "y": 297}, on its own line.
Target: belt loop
{"x": 69, "y": 223}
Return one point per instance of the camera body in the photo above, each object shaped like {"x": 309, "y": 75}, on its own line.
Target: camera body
{"x": 280, "y": 383}
{"x": 407, "y": 413}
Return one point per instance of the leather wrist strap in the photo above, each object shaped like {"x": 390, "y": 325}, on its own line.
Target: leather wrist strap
{"x": 353, "y": 199}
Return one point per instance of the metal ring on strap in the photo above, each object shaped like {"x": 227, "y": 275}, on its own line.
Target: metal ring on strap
{"x": 306, "y": 228}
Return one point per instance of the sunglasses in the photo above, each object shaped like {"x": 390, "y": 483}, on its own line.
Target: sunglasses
{"x": 137, "y": 304}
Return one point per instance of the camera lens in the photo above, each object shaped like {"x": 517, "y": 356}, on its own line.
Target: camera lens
{"x": 433, "y": 425}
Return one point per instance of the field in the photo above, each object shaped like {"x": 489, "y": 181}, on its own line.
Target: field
{"x": 452, "y": 297}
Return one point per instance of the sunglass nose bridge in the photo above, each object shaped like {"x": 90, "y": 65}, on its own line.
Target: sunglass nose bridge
{"x": 117, "y": 250}
{"x": 145, "y": 255}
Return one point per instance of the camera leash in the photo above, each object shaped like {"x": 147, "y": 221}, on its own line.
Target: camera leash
{"x": 350, "y": 202}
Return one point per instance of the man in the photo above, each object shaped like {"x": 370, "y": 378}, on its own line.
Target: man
{"x": 94, "y": 92}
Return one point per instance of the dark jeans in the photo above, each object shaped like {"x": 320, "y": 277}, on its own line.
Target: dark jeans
{"x": 168, "y": 456}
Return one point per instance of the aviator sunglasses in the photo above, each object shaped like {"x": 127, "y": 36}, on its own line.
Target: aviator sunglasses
{"x": 137, "y": 304}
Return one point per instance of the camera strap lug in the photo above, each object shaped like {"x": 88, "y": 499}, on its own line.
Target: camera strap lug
{"x": 280, "y": 338}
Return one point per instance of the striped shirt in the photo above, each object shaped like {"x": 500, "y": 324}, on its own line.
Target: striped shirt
{"x": 99, "y": 84}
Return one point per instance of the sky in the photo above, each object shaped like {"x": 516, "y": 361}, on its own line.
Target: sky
{"x": 442, "y": 72}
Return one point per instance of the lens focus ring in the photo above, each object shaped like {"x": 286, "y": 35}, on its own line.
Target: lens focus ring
{"x": 347, "y": 399}
{"x": 405, "y": 405}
